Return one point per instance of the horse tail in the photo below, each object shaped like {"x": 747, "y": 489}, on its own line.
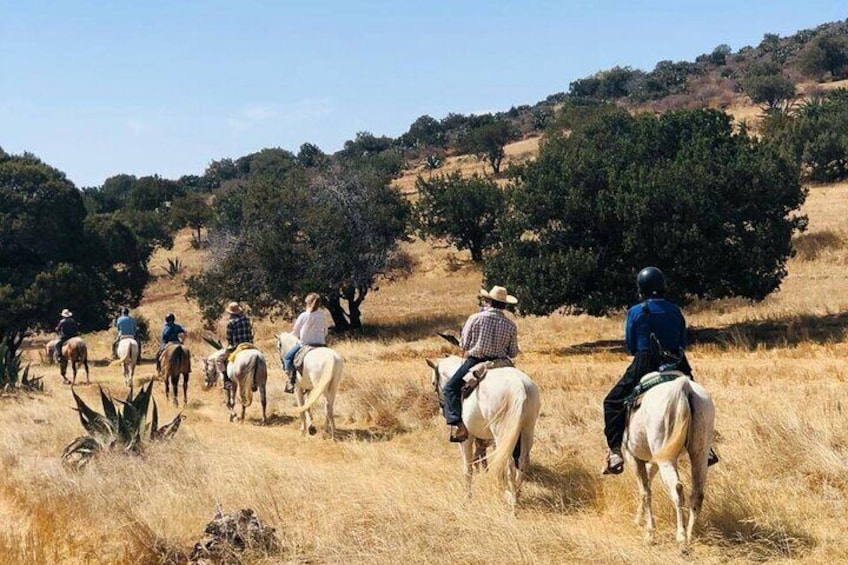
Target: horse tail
{"x": 176, "y": 360}
{"x": 321, "y": 387}
{"x": 245, "y": 389}
{"x": 677, "y": 429}
{"x": 511, "y": 420}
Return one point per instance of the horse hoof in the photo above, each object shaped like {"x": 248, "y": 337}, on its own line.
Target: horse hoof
{"x": 313, "y": 430}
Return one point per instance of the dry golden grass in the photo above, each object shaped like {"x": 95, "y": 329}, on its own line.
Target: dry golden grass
{"x": 390, "y": 489}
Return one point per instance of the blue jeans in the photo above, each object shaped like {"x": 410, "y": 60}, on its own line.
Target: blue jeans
{"x": 288, "y": 359}
{"x": 452, "y": 392}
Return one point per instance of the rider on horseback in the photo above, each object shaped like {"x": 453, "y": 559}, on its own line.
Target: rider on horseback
{"x": 239, "y": 331}
{"x": 487, "y": 335}
{"x": 66, "y": 328}
{"x": 172, "y": 332}
{"x": 310, "y": 328}
{"x": 126, "y": 328}
{"x": 655, "y": 318}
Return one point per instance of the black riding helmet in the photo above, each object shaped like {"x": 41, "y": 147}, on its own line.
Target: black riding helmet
{"x": 651, "y": 282}
{"x": 125, "y": 311}
{"x": 170, "y": 317}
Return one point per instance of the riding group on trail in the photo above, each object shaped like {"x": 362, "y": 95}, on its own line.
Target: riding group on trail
{"x": 655, "y": 411}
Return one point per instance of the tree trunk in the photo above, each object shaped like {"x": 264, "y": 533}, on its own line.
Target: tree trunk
{"x": 354, "y": 296}
{"x": 337, "y": 312}
{"x": 477, "y": 253}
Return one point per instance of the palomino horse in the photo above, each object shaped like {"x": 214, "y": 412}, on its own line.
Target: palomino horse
{"x": 74, "y": 350}
{"x": 248, "y": 369}
{"x": 673, "y": 416}
{"x": 504, "y": 408}
{"x": 128, "y": 355}
{"x": 322, "y": 373}
{"x": 175, "y": 361}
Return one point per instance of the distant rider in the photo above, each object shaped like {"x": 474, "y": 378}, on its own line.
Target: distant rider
{"x": 66, "y": 328}
{"x": 172, "y": 332}
{"x": 310, "y": 328}
{"x": 127, "y": 327}
{"x": 239, "y": 330}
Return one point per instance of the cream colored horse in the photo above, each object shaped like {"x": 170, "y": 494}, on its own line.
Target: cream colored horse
{"x": 503, "y": 408}
{"x": 673, "y": 417}
{"x": 128, "y": 355}
{"x": 249, "y": 367}
{"x": 322, "y": 373}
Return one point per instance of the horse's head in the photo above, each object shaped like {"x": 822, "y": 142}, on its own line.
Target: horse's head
{"x": 209, "y": 371}
{"x": 436, "y": 378}
{"x": 285, "y": 341}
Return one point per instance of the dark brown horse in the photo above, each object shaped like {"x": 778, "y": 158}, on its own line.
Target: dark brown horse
{"x": 76, "y": 351}
{"x": 175, "y": 361}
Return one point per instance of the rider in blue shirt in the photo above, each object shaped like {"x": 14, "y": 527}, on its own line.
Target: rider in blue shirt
{"x": 657, "y": 316}
{"x": 126, "y": 327}
{"x": 171, "y": 332}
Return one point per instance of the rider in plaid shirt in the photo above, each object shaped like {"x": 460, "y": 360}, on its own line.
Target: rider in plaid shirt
{"x": 487, "y": 335}
{"x": 239, "y": 331}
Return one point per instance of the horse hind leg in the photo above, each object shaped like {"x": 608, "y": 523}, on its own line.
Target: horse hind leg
{"x": 644, "y": 475}
{"x": 668, "y": 472}
{"x": 696, "y": 498}
{"x": 185, "y": 389}
{"x": 330, "y": 418}
{"x": 263, "y": 397}
{"x": 85, "y": 364}
{"x": 466, "y": 449}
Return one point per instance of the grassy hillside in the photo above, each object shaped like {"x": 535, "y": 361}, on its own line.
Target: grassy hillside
{"x": 390, "y": 489}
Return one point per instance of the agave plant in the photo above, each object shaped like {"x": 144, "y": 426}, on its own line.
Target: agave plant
{"x": 120, "y": 426}
{"x": 174, "y": 268}
{"x": 12, "y": 371}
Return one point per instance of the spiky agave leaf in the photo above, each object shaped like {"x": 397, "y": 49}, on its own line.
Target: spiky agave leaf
{"x": 80, "y": 451}
{"x": 131, "y": 427}
{"x": 168, "y": 430}
{"x": 109, "y": 408}
{"x": 96, "y": 424}
{"x": 154, "y": 421}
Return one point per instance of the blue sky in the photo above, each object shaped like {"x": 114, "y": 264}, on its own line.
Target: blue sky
{"x": 101, "y": 88}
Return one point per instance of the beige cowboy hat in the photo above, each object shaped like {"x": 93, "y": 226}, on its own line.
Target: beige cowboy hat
{"x": 233, "y": 308}
{"x": 66, "y": 313}
{"x": 499, "y": 294}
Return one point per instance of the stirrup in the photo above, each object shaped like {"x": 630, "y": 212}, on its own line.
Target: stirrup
{"x": 712, "y": 458}
{"x": 459, "y": 433}
{"x": 615, "y": 464}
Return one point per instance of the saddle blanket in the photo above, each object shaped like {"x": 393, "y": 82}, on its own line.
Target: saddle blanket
{"x": 478, "y": 372}
{"x": 239, "y": 348}
{"x": 301, "y": 354}
{"x": 648, "y": 382}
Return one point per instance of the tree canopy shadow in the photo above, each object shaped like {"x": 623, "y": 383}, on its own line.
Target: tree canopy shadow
{"x": 409, "y": 329}
{"x": 779, "y": 332}
{"x": 273, "y": 420}
{"x": 371, "y": 436}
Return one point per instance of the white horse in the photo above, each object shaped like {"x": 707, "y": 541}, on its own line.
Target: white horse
{"x": 247, "y": 369}
{"x": 322, "y": 373}
{"x": 674, "y": 416}
{"x": 504, "y": 408}
{"x": 128, "y": 355}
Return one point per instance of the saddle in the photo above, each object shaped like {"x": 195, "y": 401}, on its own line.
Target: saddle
{"x": 239, "y": 348}
{"x": 478, "y": 372}
{"x": 649, "y": 381}
{"x": 301, "y": 354}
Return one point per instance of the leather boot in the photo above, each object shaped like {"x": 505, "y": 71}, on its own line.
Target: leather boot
{"x": 290, "y": 381}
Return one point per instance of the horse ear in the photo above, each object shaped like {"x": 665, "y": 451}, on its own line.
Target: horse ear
{"x": 431, "y": 363}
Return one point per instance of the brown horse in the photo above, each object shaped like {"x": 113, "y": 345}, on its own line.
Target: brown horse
{"x": 175, "y": 361}
{"x": 75, "y": 350}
